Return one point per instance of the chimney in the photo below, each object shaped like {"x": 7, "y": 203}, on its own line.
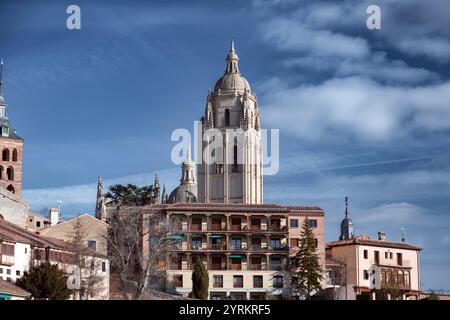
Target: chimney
{"x": 54, "y": 216}
{"x": 381, "y": 236}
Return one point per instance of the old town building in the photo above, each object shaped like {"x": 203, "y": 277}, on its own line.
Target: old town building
{"x": 21, "y": 249}
{"x": 363, "y": 267}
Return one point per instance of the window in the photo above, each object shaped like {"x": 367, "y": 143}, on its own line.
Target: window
{"x": 275, "y": 264}
{"x": 257, "y": 281}
{"x": 38, "y": 224}
{"x": 218, "y": 281}
{"x": 294, "y": 281}
{"x": 196, "y": 243}
{"x": 366, "y": 275}
{"x": 377, "y": 257}
{"x": 278, "y": 281}
{"x": 5, "y": 132}
{"x": 235, "y": 159}
{"x": 1, "y": 270}
{"x": 366, "y": 254}
{"x": 10, "y": 173}
{"x": 8, "y": 271}
{"x": 92, "y": 244}
{"x": 103, "y": 266}
{"x": 399, "y": 259}
{"x": 219, "y": 168}
{"x": 8, "y": 279}
{"x": 5, "y": 154}
{"x": 14, "y": 156}
{"x": 177, "y": 280}
{"x": 391, "y": 255}
{"x": 92, "y": 265}
{"x": 293, "y": 223}
{"x": 26, "y": 250}
{"x": 275, "y": 243}
{"x": 312, "y": 223}
{"x": 1, "y": 172}
{"x": 18, "y": 273}
{"x": 294, "y": 242}
{"x": 227, "y": 117}
{"x": 238, "y": 281}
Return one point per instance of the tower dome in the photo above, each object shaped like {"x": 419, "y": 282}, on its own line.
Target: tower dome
{"x": 232, "y": 79}
{"x": 187, "y": 190}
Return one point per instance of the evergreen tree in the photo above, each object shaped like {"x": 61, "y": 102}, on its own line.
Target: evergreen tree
{"x": 200, "y": 281}
{"x": 132, "y": 195}
{"x": 305, "y": 263}
{"x": 45, "y": 282}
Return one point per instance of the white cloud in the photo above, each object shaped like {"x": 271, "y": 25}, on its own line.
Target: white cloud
{"x": 358, "y": 108}
{"x": 291, "y": 35}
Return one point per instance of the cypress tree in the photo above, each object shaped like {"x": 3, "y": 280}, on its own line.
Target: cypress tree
{"x": 200, "y": 281}
{"x": 306, "y": 262}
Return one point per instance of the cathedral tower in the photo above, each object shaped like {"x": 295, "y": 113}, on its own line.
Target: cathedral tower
{"x": 11, "y": 149}
{"x": 235, "y": 174}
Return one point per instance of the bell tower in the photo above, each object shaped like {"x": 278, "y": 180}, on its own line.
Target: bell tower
{"x": 232, "y": 174}
{"x": 11, "y": 146}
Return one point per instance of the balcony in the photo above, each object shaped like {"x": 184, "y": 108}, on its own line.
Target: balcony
{"x": 257, "y": 267}
{"x": 235, "y": 267}
{"x": 217, "y": 267}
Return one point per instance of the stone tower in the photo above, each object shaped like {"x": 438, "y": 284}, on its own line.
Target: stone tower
{"x": 11, "y": 149}
{"x": 233, "y": 175}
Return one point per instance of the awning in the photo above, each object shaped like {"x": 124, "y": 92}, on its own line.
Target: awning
{"x": 4, "y": 296}
{"x": 178, "y": 236}
{"x": 235, "y": 256}
{"x": 216, "y": 236}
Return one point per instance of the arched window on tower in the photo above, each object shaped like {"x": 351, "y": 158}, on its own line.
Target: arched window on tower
{"x": 5, "y": 155}
{"x": 10, "y": 173}
{"x": 235, "y": 158}
{"x": 11, "y": 189}
{"x": 14, "y": 155}
{"x": 227, "y": 117}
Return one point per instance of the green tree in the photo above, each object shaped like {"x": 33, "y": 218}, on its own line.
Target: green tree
{"x": 200, "y": 281}
{"x": 45, "y": 282}
{"x": 306, "y": 264}
{"x": 132, "y": 195}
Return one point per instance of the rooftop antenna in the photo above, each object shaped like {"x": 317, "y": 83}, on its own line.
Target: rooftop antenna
{"x": 403, "y": 234}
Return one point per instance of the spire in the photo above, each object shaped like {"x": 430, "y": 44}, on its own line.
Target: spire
{"x": 232, "y": 60}
{"x": 346, "y": 207}
{"x": 100, "y": 208}
{"x": 157, "y": 188}
{"x": 164, "y": 195}
{"x": 1, "y": 77}
{"x": 346, "y": 225}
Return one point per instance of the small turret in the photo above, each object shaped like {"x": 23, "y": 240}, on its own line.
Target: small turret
{"x": 346, "y": 225}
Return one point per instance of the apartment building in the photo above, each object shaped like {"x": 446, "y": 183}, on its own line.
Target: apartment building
{"x": 245, "y": 248}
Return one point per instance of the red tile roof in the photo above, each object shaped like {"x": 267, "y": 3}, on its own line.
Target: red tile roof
{"x": 10, "y": 289}
{"x": 14, "y": 233}
{"x": 364, "y": 240}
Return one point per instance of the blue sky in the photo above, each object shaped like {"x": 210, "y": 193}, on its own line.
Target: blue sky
{"x": 362, "y": 113}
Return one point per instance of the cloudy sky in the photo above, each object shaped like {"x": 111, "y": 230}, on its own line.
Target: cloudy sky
{"x": 362, "y": 113}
